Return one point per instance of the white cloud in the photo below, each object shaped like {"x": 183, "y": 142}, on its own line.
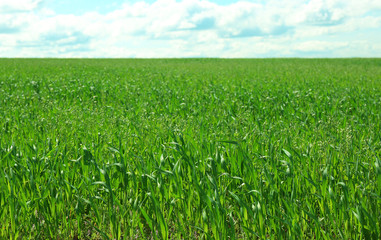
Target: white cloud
{"x": 319, "y": 46}
{"x": 168, "y": 28}
{"x": 18, "y": 5}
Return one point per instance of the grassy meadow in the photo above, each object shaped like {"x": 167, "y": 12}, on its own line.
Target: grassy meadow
{"x": 190, "y": 148}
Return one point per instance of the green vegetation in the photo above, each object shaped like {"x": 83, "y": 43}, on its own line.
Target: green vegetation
{"x": 190, "y": 148}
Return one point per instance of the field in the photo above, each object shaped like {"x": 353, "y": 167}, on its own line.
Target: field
{"x": 190, "y": 148}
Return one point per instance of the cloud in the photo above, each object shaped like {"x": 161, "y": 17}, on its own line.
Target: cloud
{"x": 319, "y": 46}
{"x": 11, "y": 6}
{"x": 65, "y": 39}
{"x": 8, "y": 28}
{"x": 188, "y": 28}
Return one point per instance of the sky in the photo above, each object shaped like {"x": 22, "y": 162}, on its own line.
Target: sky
{"x": 190, "y": 28}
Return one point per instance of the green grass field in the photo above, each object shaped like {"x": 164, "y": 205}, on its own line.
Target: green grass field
{"x": 190, "y": 148}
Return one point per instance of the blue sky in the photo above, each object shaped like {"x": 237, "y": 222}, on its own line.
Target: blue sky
{"x": 190, "y": 28}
